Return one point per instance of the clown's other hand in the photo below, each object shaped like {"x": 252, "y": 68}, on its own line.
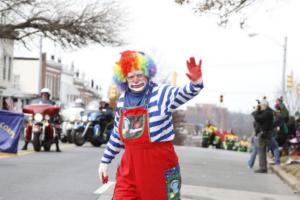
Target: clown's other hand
{"x": 102, "y": 171}
{"x": 194, "y": 73}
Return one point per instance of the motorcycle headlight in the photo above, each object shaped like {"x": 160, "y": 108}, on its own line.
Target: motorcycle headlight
{"x": 38, "y": 117}
{"x": 72, "y": 118}
{"x": 91, "y": 118}
{"x": 84, "y": 118}
{"x": 47, "y": 117}
{"x": 28, "y": 117}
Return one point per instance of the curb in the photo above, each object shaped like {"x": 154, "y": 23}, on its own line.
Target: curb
{"x": 288, "y": 178}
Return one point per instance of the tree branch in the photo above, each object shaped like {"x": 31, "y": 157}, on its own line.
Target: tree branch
{"x": 224, "y": 9}
{"x": 93, "y": 23}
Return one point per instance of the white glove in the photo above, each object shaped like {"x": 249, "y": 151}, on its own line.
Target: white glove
{"x": 102, "y": 171}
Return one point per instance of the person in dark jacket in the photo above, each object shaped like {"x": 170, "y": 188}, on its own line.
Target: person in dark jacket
{"x": 297, "y": 118}
{"x": 263, "y": 116}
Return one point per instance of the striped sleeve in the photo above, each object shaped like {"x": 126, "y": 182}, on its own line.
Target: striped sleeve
{"x": 115, "y": 144}
{"x": 176, "y": 96}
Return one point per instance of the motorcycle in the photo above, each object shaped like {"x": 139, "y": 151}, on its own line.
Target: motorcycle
{"x": 210, "y": 138}
{"x": 218, "y": 142}
{"x": 243, "y": 146}
{"x": 43, "y": 124}
{"x": 96, "y": 126}
{"x": 71, "y": 117}
{"x": 207, "y": 138}
{"x": 230, "y": 143}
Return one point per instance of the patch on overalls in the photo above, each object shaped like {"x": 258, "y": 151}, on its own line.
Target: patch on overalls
{"x": 173, "y": 180}
{"x": 133, "y": 126}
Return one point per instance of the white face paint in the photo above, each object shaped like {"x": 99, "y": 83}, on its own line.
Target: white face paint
{"x": 136, "y": 80}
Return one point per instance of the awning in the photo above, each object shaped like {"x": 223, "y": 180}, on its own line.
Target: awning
{"x": 13, "y": 92}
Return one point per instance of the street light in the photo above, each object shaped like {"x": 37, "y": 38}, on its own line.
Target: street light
{"x": 284, "y": 47}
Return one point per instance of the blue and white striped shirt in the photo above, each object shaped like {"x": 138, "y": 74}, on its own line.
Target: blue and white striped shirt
{"x": 164, "y": 99}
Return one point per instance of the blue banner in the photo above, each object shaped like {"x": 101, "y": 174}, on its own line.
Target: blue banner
{"x": 11, "y": 124}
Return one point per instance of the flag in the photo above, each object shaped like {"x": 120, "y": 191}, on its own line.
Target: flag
{"x": 11, "y": 125}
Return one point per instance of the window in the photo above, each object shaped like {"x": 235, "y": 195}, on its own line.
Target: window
{"x": 4, "y": 67}
{"x": 54, "y": 86}
{"x": 9, "y": 69}
{"x": 48, "y": 81}
{"x": 16, "y": 81}
{"x": 57, "y": 85}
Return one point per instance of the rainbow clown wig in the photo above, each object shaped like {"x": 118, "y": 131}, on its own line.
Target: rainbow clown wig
{"x": 132, "y": 60}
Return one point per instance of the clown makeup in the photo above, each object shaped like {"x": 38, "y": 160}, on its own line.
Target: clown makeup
{"x": 136, "y": 80}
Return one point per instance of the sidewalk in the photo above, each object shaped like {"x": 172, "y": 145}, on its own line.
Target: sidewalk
{"x": 289, "y": 178}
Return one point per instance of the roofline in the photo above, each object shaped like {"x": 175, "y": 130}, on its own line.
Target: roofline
{"x": 25, "y": 58}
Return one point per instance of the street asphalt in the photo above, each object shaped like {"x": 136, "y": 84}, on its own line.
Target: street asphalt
{"x": 207, "y": 174}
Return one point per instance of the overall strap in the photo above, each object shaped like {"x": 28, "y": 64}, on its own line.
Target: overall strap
{"x": 148, "y": 94}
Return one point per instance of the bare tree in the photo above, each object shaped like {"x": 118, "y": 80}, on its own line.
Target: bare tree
{"x": 241, "y": 124}
{"x": 292, "y": 100}
{"x": 224, "y": 9}
{"x": 70, "y": 23}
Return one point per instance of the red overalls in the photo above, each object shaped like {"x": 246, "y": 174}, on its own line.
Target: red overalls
{"x": 148, "y": 171}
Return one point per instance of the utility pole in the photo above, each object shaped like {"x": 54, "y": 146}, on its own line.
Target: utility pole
{"x": 284, "y": 46}
{"x": 284, "y": 67}
{"x": 40, "y": 65}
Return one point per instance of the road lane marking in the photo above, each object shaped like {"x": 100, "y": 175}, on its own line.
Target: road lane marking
{"x": 20, "y": 153}
{"x": 25, "y": 152}
{"x": 7, "y": 155}
{"x": 102, "y": 189}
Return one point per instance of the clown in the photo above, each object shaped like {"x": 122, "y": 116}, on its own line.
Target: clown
{"x": 149, "y": 168}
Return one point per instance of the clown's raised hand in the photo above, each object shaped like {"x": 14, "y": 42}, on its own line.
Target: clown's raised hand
{"x": 194, "y": 73}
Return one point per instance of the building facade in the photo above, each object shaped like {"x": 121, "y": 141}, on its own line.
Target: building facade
{"x": 65, "y": 85}
{"x": 6, "y": 64}
{"x": 27, "y": 69}
{"x": 8, "y": 82}
{"x": 51, "y": 75}
{"x": 68, "y": 90}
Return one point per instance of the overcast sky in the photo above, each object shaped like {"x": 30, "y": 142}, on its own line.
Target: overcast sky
{"x": 240, "y": 67}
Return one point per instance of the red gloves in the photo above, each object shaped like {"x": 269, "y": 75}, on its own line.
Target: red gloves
{"x": 102, "y": 171}
{"x": 104, "y": 179}
{"x": 195, "y": 73}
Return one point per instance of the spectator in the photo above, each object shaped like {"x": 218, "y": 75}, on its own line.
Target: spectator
{"x": 280, "y": 106}
{"x": 263, "y": 116}
{"x": 297, "y": 118}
